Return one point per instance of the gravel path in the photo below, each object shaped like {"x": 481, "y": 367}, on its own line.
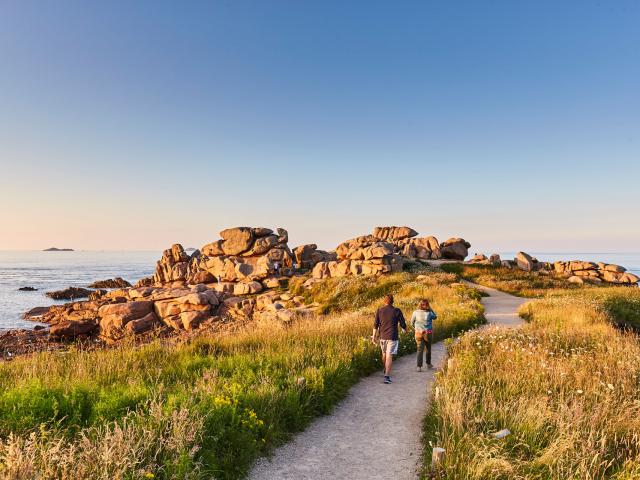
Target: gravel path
{"x": 375, "y": 432}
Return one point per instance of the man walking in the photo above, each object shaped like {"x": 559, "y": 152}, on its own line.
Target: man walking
{"x": 385, "y": 327}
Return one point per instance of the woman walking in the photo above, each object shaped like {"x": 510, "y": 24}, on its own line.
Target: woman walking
{"x": 422, "y": 322}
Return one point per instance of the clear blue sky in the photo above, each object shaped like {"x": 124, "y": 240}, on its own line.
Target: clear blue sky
{"x": 138, "y": 124}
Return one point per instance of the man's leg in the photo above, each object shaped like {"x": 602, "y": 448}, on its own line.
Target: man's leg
{"x": 384, "y": 363}
{"x": 387, "y": 364}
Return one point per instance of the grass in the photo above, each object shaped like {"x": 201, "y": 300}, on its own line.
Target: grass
{"x": 207, "y": 408}
{"x": 513, "y": 280}
{"x": 566, "y": 385}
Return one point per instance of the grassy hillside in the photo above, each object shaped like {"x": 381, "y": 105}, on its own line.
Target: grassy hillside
{"x": 204, "y": 409}
{"x": 567, "y": 386}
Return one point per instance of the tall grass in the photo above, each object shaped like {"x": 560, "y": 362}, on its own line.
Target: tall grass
{"x": 566, "y": 385}
{"x": 202, "y": 409}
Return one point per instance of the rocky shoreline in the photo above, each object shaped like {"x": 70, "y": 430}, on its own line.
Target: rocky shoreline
{"x": 243, "y": 277}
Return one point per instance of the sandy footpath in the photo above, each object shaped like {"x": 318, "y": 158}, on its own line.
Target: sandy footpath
{"x": 374, "y": 433}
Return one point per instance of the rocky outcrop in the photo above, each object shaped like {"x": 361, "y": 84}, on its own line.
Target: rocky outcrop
{"x": 173, "y": 265}
{"x": 117, "y": 282}
{"x": 307, "y": 256}
{"x": 69, "y": 293}
{"x": 186, "y": 292}
{"x": 364, "y": 255}
{"x": 595, "y": 272}
{"x": 27, "y": 289}
{"x": 525, "y": 262}
{"x": 455, "y": 248}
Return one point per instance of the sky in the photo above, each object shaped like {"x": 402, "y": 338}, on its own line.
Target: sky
{"x": 135, "y": 125}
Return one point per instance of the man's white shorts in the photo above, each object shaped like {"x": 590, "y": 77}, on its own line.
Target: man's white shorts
{"x": 389, "y": 346}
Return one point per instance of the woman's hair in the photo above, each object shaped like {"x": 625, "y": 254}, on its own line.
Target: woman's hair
{"x": 424, "y": 304}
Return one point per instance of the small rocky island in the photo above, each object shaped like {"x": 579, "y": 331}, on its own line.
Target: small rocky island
{"x": 55, "y": 249}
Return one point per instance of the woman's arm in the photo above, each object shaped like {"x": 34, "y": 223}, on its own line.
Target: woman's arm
{"x": 413, "y": 320}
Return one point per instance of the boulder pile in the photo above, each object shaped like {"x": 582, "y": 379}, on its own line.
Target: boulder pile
{"x": 385, "y": 251}
{"x": 576, "y": 271}
{"x": 232, "y": 278}
{"x": 579, "y": 271}
{"x": 187, "y": 292}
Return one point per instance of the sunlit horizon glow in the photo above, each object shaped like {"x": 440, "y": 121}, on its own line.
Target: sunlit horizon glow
{"x": 132, "y": 127}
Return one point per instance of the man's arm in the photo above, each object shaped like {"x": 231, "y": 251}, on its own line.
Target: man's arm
{"x": 376, "y": 326}
{"x": 403, "y": 324}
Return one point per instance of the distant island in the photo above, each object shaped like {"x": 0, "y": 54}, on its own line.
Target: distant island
{"x": 54, "y": 249}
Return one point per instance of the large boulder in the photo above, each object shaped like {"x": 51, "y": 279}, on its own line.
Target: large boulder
{"x": 68, "y": 330}
{"x": 455, "y": 248}
{"x": 394, "y": 233}
{"x": 236, "y": 240}
{"x": 525, "y": 262}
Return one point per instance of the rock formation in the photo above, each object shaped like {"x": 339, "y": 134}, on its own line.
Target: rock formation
{"x": 186, "y": 291}
{"x": 385, "y": 251}
{"x": 595, "y": 272}
{"x": 69, "y": 293}
{"x": 307, "y": 256}
{"x": 455, "y": 248}
{"x": 117, "y": 282}
{"x": 576, "y": 271}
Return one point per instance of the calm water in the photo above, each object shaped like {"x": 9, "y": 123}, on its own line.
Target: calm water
{"x": 48, "y": 271}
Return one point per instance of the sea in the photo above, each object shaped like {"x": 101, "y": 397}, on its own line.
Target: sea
{"x": 48, "y": 271}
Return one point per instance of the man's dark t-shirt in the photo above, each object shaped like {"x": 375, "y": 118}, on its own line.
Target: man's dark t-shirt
{"x": 387, "y": 320}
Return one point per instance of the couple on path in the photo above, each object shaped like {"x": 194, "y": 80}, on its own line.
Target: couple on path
{"x": 385, "y": 329}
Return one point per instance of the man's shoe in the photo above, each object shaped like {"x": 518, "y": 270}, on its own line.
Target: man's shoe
{"x": 418, "y": 369}
{"x": 429, "y": 366}
{"x": 387, "y": 379}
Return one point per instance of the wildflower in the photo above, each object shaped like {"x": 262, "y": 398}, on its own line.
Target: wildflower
{"x": 149, "y": 475}
{"x": 579, "y": 392}
{"x": 609, "y": 386}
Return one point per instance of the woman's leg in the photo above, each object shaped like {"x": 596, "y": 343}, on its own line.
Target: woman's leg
{"x": 428, "y": 344}
{"x": 420, "y": 343}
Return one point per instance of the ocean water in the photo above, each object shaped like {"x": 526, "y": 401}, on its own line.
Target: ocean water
{"x": 49, "y": 271}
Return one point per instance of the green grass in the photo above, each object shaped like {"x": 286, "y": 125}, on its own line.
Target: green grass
{"x": 207, "y": 408}
{"x": 565, "y": 384}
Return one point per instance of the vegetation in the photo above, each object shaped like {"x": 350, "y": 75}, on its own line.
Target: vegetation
{"x": 207, "y": 408}
{"x": 513, "y": 280}
{"x": 566, "y": 385}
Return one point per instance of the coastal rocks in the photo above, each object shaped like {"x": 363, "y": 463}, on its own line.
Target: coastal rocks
{"x": 70, "y": 330}
{"x": 244, "y": 255}
{"x": 69, "y": 293}
{"x": 525, "y": 262}
{"x": 236, "y": 240}
{"x": 455, "y": 248}
{"x": 27, "y": 289}
{"x": 595, "y": 272}
{"x": 117, "y": 282}
{"x": 114, "y": 317}
{"x": 172, "y": 266}
{"x": 307, "y": 256}
{"x": 392, "y": 234}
